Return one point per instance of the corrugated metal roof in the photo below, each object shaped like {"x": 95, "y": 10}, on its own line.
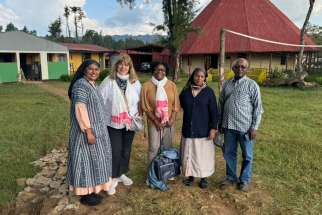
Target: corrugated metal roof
{"x": 21, "y": 41}
{"x": 258, "y": 18}
{"x": 85, "y": 47}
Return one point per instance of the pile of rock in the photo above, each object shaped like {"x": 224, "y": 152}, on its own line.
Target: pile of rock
{"x": 47, "y": 192}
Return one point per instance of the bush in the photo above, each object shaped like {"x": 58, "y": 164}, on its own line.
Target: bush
{"x": 66, "y": 78}
{"x": 103, "y": 74}
{"x": 277, "y": 74}
{"x": 314, "y": 77}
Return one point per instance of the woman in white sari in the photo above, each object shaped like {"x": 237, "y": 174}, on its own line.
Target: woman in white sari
{"x": 121, "y": 95}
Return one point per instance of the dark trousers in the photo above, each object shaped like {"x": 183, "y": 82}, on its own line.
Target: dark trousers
{"x": 121, "y": 142}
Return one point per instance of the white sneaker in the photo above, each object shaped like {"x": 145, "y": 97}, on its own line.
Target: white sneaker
{"x": 112, "y": 190}
{"x": 125, "y": 180}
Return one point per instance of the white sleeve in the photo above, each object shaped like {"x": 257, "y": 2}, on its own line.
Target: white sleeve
{"x": 104, "y": 89}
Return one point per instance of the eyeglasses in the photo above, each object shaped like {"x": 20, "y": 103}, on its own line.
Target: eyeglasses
{"x": 240, "y": 67}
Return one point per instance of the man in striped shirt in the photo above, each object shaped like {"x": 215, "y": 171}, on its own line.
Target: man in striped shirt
{"x": 241, "y": 110}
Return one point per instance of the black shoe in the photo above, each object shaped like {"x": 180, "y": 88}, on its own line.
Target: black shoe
{"x": 91, "y": 199}
{"x": 188, "y": 181}
{"x": 226, "y": 183}
{"x": 243, "y": 187}
{"x": 203, "y": 184}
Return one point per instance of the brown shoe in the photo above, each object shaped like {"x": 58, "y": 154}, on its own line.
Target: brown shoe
{"x": 244, "y": 187}
{"x": 226, "y": 183}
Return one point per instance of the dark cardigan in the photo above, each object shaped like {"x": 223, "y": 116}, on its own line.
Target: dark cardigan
{"x": 200, "y": 113}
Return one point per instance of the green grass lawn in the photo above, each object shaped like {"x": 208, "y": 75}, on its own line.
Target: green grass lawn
{"x": 32, "y": 122}
{"x": 288, "y": 152}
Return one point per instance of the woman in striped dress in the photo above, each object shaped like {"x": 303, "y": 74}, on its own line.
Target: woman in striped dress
{"x": 89, "y": 154}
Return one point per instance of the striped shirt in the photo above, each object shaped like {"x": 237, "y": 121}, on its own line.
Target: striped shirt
{"x": 240, "y": 105}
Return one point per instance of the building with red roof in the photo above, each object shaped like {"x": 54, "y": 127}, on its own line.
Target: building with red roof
{"x": 257, "y": 18}
{"x": 79, "y": 52}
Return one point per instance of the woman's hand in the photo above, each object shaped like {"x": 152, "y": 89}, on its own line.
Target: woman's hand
{"x": 212, "y": 134}
{"x": 158, "y": 124}
{"x": 91, "y": 139}
{"x": 171, "y": 120}
{"x": 170, "y": 123}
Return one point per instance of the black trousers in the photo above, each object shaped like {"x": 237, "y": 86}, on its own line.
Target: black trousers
{"x": 121, "y": 142}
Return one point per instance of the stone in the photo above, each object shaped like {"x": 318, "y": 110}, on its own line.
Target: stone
{"x": 54, "y": 185}
{"x": 71, "y": 207}
{"x": 45, "y": 189}
{"x": 30, "y": 181}
{"x": 56, "y": 196}
{"x": 41, "y": 181}
{"x": 62, "y": 171}
{"x": 21, "y": 182}
{"x": 24, "y": 197}
{"x": 63, "y": 189}
{"x": 47, "y": 173}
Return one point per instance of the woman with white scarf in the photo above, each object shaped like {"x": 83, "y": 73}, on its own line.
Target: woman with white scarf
{"x": 160, "y": 102}
{"x": 121, "y": 95}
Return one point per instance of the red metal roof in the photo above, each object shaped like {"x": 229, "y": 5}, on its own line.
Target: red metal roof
{"x": 133, "y": 52}
{"x": 258, "y": 18}
{"x": 85, "y": 47}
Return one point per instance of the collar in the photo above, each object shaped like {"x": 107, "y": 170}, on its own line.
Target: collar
{"x": 239, "y": 80}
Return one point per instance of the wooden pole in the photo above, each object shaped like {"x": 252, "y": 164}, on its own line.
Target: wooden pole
{"x": 222, "y": 59}
{"x": 270, "y": 64}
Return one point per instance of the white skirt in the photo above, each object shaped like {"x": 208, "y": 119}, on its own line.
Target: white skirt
{"x": 197, "y": 157}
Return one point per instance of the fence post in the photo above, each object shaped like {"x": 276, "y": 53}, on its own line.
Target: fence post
{"x": 222, "y": 59}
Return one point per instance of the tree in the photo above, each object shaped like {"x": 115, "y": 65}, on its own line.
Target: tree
{"x": 300, "y": 73}
{"x": 315, "y": 32}
{"x": 66, "y": 15}
{"x": 81, "y": 16}
{"x": 25, "y": 29}
{"x": 55, "y": 29}
{"x": 130, "y": 3}
{"x": 11, "y": 27}
{"x": 178, "y": 15}
{"x": 75, "y": 12}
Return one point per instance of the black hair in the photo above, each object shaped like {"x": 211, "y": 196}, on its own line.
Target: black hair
{"x": 157, "y": 63}
{"x": 191, "y": 81}
{"x": 80, "y": 73}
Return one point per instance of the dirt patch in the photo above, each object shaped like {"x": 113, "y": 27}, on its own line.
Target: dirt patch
{"x": 55, "y": 90}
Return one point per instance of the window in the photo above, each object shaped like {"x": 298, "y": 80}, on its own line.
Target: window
{"x": 7, "y": 57}
{"x": 283, "y": 59}
{"x": 86, "y": 56}
{"x": 242, "y": 55}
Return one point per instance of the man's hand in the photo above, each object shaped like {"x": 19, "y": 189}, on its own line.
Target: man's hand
{"x": 91, "y": 139}
{"x": 212, "y": 134}
{"x": 252, "y": 133}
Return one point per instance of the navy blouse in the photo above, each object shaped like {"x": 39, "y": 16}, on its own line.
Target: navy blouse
{"x": 200, "y": 113}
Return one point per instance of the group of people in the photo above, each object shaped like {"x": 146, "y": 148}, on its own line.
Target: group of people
{"x": 102, "y": 118}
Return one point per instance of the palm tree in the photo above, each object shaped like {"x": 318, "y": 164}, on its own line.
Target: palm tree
{"x": 66, "y": 15}
{"x": 81, "y": 16}
{"x": 75, "y": 11}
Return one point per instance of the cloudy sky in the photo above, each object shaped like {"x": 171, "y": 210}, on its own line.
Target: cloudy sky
{"x": 110, "y": 18}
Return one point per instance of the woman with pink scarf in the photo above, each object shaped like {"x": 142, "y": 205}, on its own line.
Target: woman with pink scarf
{"x": 121, "y": 95}
{"x": 160, "y": 102}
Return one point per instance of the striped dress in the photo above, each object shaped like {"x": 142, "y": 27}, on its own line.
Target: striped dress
{"x": 89, "y": 166}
